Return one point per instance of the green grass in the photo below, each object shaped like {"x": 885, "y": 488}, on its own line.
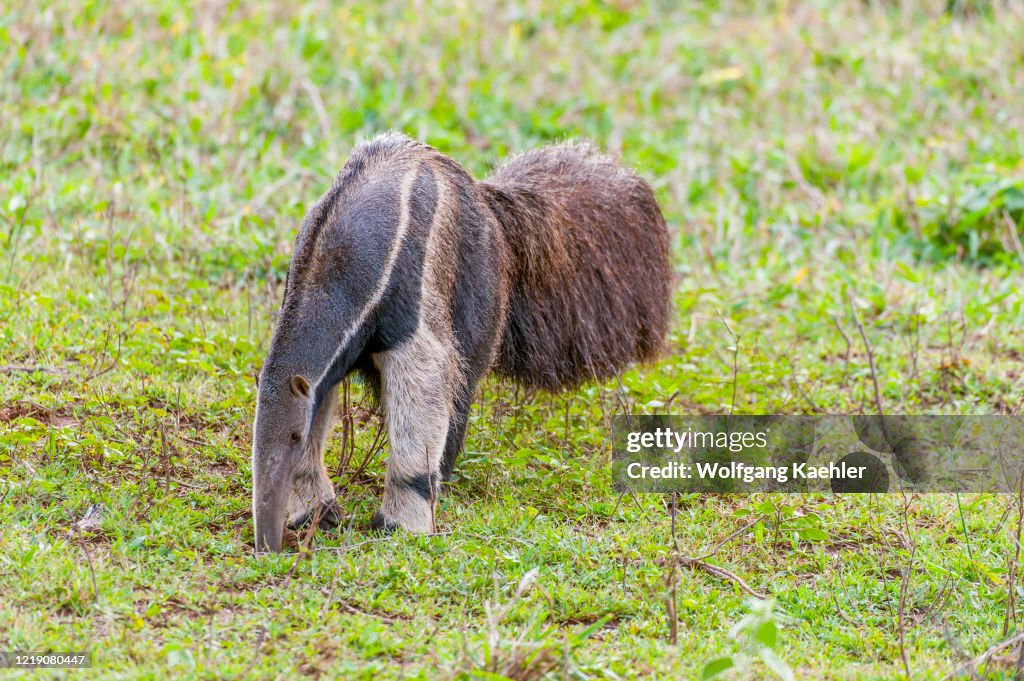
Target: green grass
{"x": 155, "y": 163}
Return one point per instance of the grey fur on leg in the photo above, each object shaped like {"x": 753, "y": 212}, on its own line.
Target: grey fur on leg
{"x": 312, "y": 488}
{"x": 415, "y": 380}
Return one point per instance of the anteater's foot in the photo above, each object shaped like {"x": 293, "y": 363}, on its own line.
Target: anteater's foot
{"x": 329, "y": 517}
{"x": 406, "y": 510}
{"x": 381, "y": 524}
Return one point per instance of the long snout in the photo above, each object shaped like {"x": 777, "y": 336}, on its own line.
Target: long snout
{"x": 269, "y": 502}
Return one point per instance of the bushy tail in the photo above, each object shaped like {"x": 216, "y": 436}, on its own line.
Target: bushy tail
{"x": 590, "y": 279}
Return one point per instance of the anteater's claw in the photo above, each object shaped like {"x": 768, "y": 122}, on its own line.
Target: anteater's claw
{"x": 330, "y": 517}
{"x": 382, "y": 524}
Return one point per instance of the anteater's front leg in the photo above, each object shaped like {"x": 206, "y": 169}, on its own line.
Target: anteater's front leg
{"x": 418, "y": 380}
{"x": 312, "y": 494}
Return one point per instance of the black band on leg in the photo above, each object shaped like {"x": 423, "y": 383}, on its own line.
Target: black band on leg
{"x": 423, "y": 485}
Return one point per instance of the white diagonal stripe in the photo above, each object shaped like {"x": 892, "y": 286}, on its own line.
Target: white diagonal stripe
{"x": 389, "y": 265}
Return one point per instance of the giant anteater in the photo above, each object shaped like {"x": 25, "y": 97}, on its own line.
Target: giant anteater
{"x": 553, "y": 272}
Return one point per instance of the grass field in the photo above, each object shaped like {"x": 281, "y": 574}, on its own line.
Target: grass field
{"x": 819, "y": 163}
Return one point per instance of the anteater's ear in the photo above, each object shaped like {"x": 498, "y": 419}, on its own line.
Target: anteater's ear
{"x": 300, "y": 386}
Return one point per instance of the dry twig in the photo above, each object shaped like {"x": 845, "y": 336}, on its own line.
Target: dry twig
{"x": 720, "y": 573}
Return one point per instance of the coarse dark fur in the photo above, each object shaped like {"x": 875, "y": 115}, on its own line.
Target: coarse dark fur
{"x": 553, "y": 272}
{"x": 590, "y": 279}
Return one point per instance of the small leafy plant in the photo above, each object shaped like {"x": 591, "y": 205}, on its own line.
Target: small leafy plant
{"x": 758, "y": 636}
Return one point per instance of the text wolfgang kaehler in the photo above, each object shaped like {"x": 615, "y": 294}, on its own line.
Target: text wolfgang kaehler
{"x": 679, "y": 439}
{"x": 736, "y": 470}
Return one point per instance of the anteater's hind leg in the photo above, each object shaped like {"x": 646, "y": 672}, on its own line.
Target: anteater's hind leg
{"x": 457, "y": 425}
{"x": 312, "y": 491}
{"x": 418, "y": 385}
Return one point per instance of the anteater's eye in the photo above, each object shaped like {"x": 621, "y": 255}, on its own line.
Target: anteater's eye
{"x": 296, "y": 437}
